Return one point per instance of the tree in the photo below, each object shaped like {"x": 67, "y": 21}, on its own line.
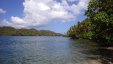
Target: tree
{"x": 100, "y": 13}
{"x": 81, "y": 30}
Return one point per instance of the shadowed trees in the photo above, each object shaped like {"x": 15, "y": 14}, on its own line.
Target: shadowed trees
{"x": 99, "y": 23}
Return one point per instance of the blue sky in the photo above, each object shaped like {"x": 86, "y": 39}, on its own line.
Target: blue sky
{"x": 55, "y": 15}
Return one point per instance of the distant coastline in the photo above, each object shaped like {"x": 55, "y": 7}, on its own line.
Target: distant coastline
{"x": 11, "y": 31}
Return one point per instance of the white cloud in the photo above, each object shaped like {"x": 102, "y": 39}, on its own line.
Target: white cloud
{"x": 41, "y": 12}
{"x": 2, "y": 11}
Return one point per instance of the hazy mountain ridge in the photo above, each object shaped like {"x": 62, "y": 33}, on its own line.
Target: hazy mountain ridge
{"x": 10, "y": 31}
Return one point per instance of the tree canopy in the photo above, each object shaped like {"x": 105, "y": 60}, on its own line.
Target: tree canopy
{"x": 100, "y": 19}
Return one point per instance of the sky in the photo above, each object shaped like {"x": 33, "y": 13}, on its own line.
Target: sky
{"x": 54, "y": 15}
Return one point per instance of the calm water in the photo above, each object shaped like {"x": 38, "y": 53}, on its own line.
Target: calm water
{"x": 43, "y": 50}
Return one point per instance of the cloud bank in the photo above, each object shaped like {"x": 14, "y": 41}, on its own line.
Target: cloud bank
{"x": 42, "y": 12}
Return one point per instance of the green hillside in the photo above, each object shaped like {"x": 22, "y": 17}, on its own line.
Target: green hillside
{"x": 10, "y": 31}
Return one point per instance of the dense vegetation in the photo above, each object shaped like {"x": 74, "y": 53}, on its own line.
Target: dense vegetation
{"x": 81, "y": 30}
{"x": 99, "y": 23}
{"x": 10, "y": 31}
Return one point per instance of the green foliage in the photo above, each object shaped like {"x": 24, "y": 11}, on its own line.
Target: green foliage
{"x": 99, "y": 25}
{"x": 81, "y": 30}
{"x": 100, "y": 12}
{"x": 10, "y": 31}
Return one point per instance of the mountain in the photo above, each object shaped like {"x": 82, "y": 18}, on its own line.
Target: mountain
{"x": 10, "y": 31}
